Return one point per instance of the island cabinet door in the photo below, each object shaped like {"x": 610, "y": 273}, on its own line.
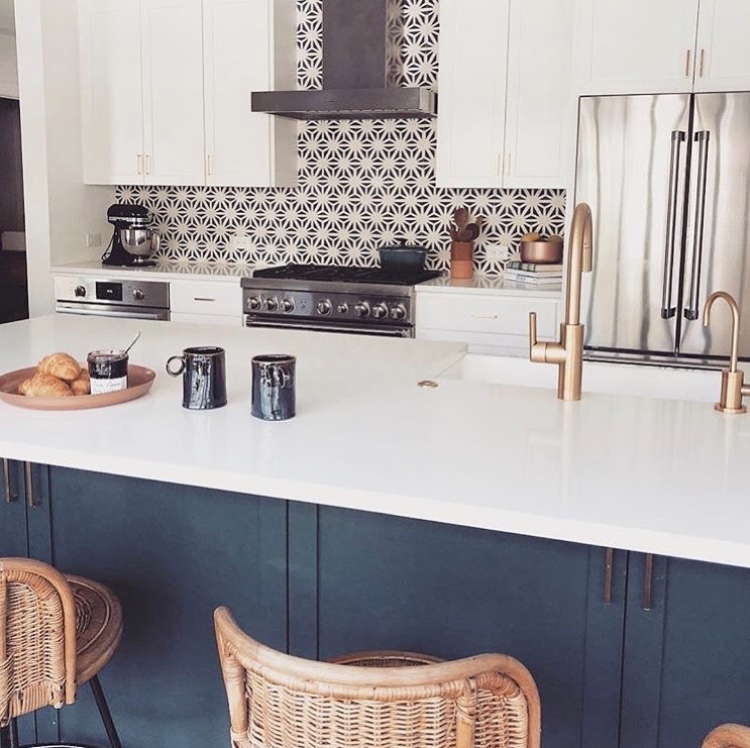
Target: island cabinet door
{"x": 392, "y": 583}
{"x": 172, "y": 554}
{"x": 687, "y": 651}
{"x": 13, "y": 529}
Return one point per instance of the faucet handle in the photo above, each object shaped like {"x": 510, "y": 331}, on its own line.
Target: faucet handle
{"x": 532, "y": 331}
{"x": 537, "y": 350}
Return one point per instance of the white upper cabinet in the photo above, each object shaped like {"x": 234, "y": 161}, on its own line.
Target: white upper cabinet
{"x": 661, "y": 46}
{"x": 111, "y": 94}
{"x": 722, "y": 61}
{"x": 172, "y": 75}
{"x": 166, "y": 93}
{"x": 503, "y": 85}
{"x": 243, "y": 148}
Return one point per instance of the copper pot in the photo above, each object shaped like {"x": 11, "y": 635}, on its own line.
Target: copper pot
{"x": 542, "y": 251}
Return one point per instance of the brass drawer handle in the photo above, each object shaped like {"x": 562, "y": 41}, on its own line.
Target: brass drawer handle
{"x": 31, "y": 499}
{"x": 9, "y": 496}
{"x": 648, "y": 582}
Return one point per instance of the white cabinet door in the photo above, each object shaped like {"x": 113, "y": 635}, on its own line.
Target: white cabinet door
{"x": 473, "y": 52}
{"x": 635, "y": 46}
{"x": 722, "y": 49}
{"x": 172, "y": 42}
{"x": 236, "y": 139}
{"x": 112, "y": 105}
{"x": 540, "y": 108}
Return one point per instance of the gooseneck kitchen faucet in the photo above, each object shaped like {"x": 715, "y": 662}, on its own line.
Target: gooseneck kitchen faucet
{"x": 567, "y": 353}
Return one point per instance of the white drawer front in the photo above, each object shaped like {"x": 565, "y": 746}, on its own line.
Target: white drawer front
{"x": 205, "y": 297}
{"x": 485, "y": 314}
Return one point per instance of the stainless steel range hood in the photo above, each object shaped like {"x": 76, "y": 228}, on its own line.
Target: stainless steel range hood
{"x": 356, "y": 72}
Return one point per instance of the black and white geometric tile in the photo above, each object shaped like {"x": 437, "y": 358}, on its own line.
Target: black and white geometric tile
{"x": 361, "y": 183}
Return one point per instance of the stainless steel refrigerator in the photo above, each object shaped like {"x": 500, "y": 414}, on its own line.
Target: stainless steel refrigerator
{"x": 668, "y": 181}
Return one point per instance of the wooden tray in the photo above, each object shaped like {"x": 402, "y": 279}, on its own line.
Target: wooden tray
{"x": 140, "y": 380}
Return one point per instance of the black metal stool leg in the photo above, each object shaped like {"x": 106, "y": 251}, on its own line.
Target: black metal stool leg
{"x": 5, "y": 737}
{"x": 101, "y": 702}
{"x": 13, "y": 733}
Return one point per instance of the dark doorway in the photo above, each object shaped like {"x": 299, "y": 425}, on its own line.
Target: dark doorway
{"x": 14, "y": 300}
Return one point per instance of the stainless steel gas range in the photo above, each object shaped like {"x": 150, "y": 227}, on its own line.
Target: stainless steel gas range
{"x": 364, "y": 300}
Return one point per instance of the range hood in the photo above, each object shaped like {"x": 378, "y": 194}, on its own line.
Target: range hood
{"x": 356, "y": 72}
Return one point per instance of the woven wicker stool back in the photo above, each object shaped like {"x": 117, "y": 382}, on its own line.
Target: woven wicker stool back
{"x": 56, "y": 632}
{"x": 280, "y": 701}
{"x": 728, "y": 736}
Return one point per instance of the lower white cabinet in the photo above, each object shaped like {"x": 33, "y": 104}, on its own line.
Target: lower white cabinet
{"x": 493, "y": 323}
{"x": 206, "y": 302}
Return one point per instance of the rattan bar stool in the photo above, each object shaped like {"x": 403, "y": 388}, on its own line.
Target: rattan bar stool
{"x": 56, "y": 632}
{"x": 280, "y": 701}
{"x": 728, "y": 736}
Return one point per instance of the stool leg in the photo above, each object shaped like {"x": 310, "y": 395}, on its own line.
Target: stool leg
{"x": 101, "y": 702}
{"x": 5, "y": 737}
{"x": 13, "y": 733}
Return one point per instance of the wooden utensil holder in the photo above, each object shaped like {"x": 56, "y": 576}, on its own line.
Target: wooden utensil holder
{"x": 462, "y": 260}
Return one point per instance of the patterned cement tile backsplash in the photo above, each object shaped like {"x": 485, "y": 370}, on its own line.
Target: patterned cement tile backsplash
{"x": 361, "y": 183}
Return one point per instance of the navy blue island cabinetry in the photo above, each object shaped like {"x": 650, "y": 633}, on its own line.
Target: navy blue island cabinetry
{"x": 613, "y": 669}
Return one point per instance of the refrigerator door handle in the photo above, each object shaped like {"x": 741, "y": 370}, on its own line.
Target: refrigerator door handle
{"x": 701, "y": 137}
{"x": 667, "y": 309}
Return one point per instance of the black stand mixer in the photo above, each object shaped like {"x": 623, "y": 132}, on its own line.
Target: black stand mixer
{"x": 133, "y": 241}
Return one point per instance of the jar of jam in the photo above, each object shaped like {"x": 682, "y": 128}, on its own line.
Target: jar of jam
{"x": 108, "y": 371}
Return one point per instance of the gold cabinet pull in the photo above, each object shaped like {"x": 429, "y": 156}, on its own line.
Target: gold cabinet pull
{"x": 139, "y": 161}
{"x": 10, "y": 497}
{"x": 648, "y": 582}
{"x": 609, "y": 556}
{"x": 687, "y": 63}
{"x": 208, "y": 165}
{"x": 700, "y": 62}
{"x": 31, "y": 499}
{"x": 147, "y": 161}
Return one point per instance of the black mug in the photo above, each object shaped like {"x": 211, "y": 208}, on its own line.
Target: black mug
{"x": 203, "y": 370}
{"x": 273, "y": 397}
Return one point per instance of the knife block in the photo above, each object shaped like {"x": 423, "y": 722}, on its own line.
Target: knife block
{"x": 462, "y": 260}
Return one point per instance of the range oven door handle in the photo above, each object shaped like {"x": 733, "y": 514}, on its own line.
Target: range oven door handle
{"x": 667, "y": 309}
{"x": 104, "y": 311}
{"x": 395, "y": 332}
{"x": 691, "y": 311}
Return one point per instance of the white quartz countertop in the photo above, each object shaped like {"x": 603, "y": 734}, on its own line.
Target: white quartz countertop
{"x": 167, "y": 271}
{"x": 489, "y": 284}
{"x": 666, "y": 476}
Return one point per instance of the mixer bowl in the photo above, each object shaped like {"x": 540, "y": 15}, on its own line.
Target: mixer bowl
{"x": 138, "y": 242}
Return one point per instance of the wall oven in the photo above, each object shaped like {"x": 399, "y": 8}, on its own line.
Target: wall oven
{"x": 129, "y": 299}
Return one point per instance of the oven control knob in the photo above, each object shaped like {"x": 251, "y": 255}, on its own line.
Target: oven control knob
{"x": 362, "y": 309}
{"x": 138, "y": 295}
{"x": 379, "y": 311}
{"x": 271, "y": 305}
{"x": 253, "y": 303}
{"x": 324, "y": 306}
{"x": 79, "y": 291}
{"x": 342, "y": 308}
{"x": 287, "y": 305}
{"x": 398, "y": 312}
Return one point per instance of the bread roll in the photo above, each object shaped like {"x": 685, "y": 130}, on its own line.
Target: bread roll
{"x": 44, "y": 385}
{"x": 60, "y": 365}
{"x": 82, "y": 385}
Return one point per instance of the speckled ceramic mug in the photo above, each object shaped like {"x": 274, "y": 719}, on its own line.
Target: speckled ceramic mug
{"x": 273, "y": 395}
{"x": 204, "y": 384}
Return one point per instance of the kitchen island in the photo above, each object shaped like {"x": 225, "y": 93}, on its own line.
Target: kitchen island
{"x": 454, "y": 519}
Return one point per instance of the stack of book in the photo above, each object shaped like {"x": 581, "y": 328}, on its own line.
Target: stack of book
{"x": 533, "y": 273}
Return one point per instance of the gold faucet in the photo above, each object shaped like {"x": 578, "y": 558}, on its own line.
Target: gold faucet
{"x": 568, "y": 352}
{"x": 733, "y": 387}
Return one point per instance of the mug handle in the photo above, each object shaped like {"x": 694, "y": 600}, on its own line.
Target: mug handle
{"x": 283, "y": 377}
{"x": 177, "y": 373}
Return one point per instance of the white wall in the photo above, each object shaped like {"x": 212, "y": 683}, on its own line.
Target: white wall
{"x": 60, "y": 209}
{"x": 8, "y": 67}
